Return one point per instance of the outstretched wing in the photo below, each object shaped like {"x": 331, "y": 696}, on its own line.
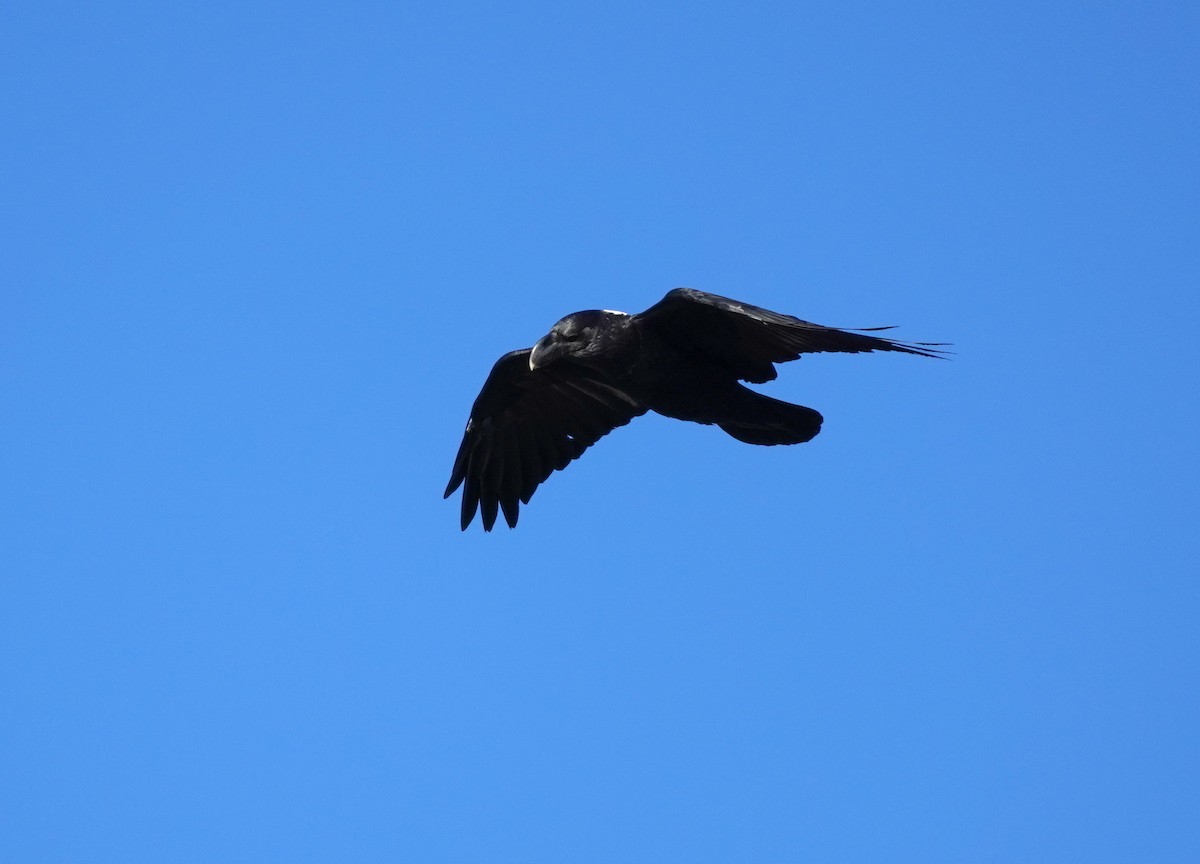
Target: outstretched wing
{"x": 747, "y": 340}
{"x": 526, "y": 424}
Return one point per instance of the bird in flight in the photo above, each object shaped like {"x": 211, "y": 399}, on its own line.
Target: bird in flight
{"x": 684, "y": 357}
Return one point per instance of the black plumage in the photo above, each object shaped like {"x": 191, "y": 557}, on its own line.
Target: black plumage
{"x": 683, "y": 357}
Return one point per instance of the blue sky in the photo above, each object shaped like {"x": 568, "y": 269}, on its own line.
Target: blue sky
{"x": 257, "y": 260}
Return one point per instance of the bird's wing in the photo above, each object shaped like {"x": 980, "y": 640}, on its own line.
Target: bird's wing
{"x": 746, "y": 340}
{"x": 524, "y": 425}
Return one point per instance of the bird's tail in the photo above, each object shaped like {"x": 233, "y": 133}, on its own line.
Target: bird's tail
{"x": 763, "y": 420}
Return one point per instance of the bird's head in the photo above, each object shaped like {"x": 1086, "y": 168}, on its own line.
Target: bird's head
{"x": 577, "y": 337}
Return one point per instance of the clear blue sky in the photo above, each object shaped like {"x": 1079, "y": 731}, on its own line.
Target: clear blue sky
{"x": 257, "y": 260}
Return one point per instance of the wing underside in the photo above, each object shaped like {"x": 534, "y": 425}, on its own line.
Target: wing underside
{"x": 524, "y": 426}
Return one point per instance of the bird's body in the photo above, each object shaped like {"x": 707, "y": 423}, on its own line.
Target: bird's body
{"x": 683, "y": 358}
{"x": 678, "y": 381}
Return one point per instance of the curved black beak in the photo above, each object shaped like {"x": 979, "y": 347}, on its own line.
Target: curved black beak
{"x": 546, "y": 351}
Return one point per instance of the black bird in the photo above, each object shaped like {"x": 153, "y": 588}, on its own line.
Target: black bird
{"x": 683, "y": 357}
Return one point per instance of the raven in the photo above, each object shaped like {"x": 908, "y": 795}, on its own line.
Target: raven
{"x": 541, "y": 407}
